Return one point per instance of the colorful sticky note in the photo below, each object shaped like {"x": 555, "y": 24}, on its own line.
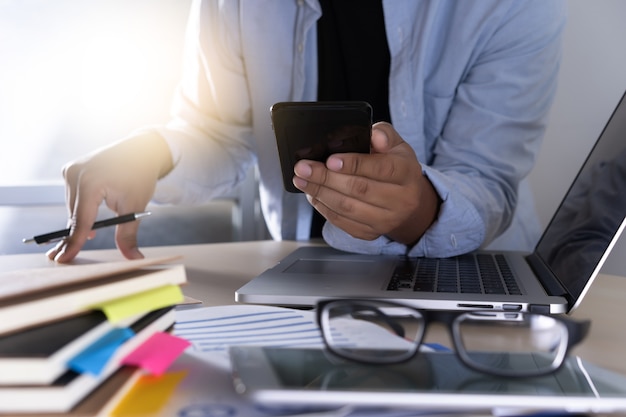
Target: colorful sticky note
{"x": 124, "y": 307}
{"x": 157, "y": 353}
{"x": 148, "y": 395}
{"x": 95, "y": 357}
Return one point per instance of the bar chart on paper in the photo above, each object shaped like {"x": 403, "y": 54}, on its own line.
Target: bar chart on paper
{"x": 211, "y": 330}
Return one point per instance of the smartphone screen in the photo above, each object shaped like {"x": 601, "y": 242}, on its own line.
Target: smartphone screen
{"x": 316, "y": 130}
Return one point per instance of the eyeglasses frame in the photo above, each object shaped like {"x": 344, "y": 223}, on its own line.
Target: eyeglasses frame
{"x": 577, "y": 331}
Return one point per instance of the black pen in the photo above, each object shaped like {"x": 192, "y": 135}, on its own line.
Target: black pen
{"x": 60, "y": 234}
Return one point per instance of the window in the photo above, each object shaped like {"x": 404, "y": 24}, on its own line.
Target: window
{"x": 78, "y": 74}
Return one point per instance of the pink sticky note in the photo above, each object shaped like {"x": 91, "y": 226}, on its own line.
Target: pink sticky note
{"x": 157, "y": 353}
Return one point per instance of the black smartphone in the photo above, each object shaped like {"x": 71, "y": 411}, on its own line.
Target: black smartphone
{"x": 316, "y": 130}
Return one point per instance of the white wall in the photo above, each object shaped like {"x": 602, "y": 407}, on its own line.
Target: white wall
{"x": 592, "y": 80}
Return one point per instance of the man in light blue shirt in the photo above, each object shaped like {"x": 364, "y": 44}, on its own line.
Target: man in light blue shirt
{"x": 469, "y": 89}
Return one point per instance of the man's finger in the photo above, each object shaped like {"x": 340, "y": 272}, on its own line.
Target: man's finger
{"x": 377, "y": 167}
{"x": 126, "y": 240}
{"x": 384, "y": 138}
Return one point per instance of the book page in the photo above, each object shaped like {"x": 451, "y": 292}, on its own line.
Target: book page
{"x": 24, "y": 281}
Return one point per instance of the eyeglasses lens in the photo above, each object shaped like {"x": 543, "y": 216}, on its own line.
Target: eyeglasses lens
{"x": 516, "y": 343}
{"x": 374, "y": 332}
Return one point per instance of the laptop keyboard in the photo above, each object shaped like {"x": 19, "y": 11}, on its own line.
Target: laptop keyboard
{"x": 471, "y": 274}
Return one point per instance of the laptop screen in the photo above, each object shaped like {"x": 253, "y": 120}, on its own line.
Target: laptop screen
{"x": 591, "y": 215}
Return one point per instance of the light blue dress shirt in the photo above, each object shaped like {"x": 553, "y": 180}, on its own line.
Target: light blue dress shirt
{"x": 470, "y": 87}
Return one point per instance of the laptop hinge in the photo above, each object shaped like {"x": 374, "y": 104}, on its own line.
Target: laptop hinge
{"x": 550, "y": 283}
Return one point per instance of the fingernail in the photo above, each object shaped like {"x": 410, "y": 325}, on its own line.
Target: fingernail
{"x": 303, "y": 170}
{"x": 59, "y": 256}
{"x": 299, "y": 182}
{"x": 51, "y": 254}
{"x": 334, "y": 164}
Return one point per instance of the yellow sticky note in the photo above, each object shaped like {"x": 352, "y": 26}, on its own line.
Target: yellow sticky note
{"x": 124, "y": 307}
{"x": 148, "y": 395}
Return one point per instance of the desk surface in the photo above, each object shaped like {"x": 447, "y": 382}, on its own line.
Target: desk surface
{"x": 216, "y": 271}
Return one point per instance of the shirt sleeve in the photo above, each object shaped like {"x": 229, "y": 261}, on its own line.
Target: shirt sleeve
{"x": 211, "y": 144}
{"x": 454, "y": 228}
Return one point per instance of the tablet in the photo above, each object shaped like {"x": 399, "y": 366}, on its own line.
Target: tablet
{"x": 290, "y": 377}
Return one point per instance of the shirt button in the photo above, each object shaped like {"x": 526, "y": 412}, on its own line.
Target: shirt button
{"x": 300, "y": 3}
{"x": 300, "y": 48}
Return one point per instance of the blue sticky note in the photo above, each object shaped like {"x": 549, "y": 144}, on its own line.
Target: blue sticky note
{"x": 94, "y": 358}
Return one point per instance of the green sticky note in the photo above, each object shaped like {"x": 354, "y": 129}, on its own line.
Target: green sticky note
{"x": 131, "y": 305}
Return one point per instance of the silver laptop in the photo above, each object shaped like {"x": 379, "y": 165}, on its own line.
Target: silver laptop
{"x": 552, "y": 279}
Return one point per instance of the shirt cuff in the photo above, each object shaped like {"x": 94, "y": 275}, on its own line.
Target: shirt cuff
{"x": 458, "y": 228}
{"x": 167, "y": 188}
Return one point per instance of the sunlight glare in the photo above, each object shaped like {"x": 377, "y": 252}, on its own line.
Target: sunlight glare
{"x": 113, "y": 69}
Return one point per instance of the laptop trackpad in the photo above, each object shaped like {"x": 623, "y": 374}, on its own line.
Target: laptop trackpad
{"x": 330, "y": 267}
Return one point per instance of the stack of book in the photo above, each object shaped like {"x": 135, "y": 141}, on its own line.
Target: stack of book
{"x": 68, "y": 330}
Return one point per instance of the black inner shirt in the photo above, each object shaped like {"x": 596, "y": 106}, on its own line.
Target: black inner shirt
{"x": 353, "y": 60}
{"x": 353, "y": 56}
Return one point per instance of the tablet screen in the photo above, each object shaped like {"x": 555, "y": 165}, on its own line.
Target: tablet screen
{"x": 314, "y": 369}
{"x": 434, "y": 380}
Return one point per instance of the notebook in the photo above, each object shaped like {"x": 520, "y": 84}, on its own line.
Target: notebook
{"x": 67, "y": 390}
{"x": 554, "y": 278}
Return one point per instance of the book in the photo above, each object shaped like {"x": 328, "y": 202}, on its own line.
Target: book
{"x": 24, "y": 281}
{"x": 102, "y": 399}
{"x": 71, "y": 387}
{"x": 39, "y": 355}
{"x": 42, "y": 304}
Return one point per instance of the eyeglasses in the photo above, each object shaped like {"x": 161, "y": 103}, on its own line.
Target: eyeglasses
{"x": 511, "y": 344}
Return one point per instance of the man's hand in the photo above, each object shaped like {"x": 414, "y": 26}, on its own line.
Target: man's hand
{"x": 383, "y": 193}
{"x": 124, "y": 176}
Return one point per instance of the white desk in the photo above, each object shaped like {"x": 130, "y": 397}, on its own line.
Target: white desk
{"x": 215, "y": 271}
